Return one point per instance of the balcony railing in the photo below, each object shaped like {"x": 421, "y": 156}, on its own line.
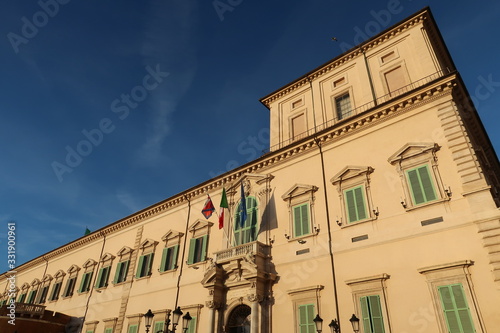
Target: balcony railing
{"x": 362, "y": 108}
{"x": 241, "y": 251}
{"x": 25, "y": 309}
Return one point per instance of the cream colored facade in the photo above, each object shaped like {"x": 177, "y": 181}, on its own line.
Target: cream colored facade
{"x": 378, "y": 194}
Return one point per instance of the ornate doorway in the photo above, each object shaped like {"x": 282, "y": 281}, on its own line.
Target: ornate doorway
{"x": 239, "y": 319}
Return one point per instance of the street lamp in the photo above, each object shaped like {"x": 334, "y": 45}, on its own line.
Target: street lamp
{"x": 319, "y": 323}
{"x": 186, "y": 319}
{"x": 334, "y": 326}
{"x": 148, "y": 317}
{"x": 355, "y": 323}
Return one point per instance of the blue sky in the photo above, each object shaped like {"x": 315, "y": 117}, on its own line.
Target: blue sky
{"x": 167, "y": 93}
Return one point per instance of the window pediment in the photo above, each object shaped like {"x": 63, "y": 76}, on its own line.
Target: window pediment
{"x": 25, "y": 286}
{"x": 351, "y": 171}
{"x": 60, "y": 273}
{"x": 47, "y": 278}
{"x": 171, "y": 234}
{"x": 35, "y": 282}
{"x": 107, "y": 256}
{"x": 298, "y": 190}
{"x": 124, "y": 250}
{"x": 200, "y": 224}
{"x": 73, "y": 269}
{"x": 89, "y": 263}
{"x": 148, "y": 243}
{"x": 413, "y": 149}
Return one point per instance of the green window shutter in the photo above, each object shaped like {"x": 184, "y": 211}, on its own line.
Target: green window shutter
{"x": 98, "y": 283}
{"x": 158, "y": 326}
{"x": 108, "y": 330}
{"x": 192, "y": 325}
{"x": 118, "y": 272}
{"x": 192, "y": 248}
{"x": 149, "y": 264}
{"x": 139, "y": 272}
{"x": 163, "y": 263}
{"x": 421, "y": 185}
{"x": 350, "y": 205}
{"x": 360, "y": 202}
{"x": 174, "y": 257}
{"x": 371, "y": 313}
{"x": 132, "y": 329}
{"x": 455, "y": 308}
{"x": 204, "y": 248}
{"x": 355, "y": 204}
{"x": 301, "y": 220}
{"x": 31, "y": 297}
{"x": 306, "y": 316}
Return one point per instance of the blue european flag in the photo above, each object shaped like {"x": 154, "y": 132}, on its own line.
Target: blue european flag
{"x": 243, "y": 207}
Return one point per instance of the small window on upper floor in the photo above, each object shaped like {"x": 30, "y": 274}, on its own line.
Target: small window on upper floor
{"x": 297, "y": 103}
{"x": 198, "y": 245}
{"x": 396, "y": 81}
{"x": 170, "y": 252}
{"x": 300, "y": 199}
{"x": 388, "y": 57}
{"x": 343, "y": 107}
{"x": 70, "y": 284}
{"x": 339, "y": 82}
{"x": 85, "y": 283}
{"x": 299, "y": 127}
{"x": 122, "y": 268}
{"x": 104, "y": 271}
{"x": 44, "y": 289}
{"x": 145, "y": 262}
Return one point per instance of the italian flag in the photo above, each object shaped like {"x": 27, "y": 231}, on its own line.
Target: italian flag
{"x": 223, "y": 204}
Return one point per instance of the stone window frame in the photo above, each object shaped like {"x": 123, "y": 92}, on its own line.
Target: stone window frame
{"x": 72, "y": 274}
{"x": 171, "y": 239}
{"x": 413, "y": 155}
{"x": 452, "y": 273}
{"x": 105, "y": 262}
{"x": 91, "y": 326}
{"x": 147, "y": 248}
{"x": 58, "y": 278}
{"x": 303, "y": 296}
{"x": 44, "y": 285}
{"x": 340, "y": 93}
{"x": 386, "y": 53}
{"x": 350, "y": 177}
{"x": 134, "y": 319}
{"x": 110, "y": 323}
{"x": 300, "y": 194}
{"x": 124, "y": 255}
{"x": 200, "y": 228}
{"x": 194, "y": 311}
{"x": 88, "y": 270}
{"x": 34, "y": 286}
{"x": 23, "y": 290}
{"x": 371, "y": 286}
{"x": 394, "y": 65}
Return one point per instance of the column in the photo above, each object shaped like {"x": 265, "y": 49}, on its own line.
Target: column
{"x": 254, "y": 321}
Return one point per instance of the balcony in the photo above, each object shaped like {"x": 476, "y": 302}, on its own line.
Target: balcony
{"x": 28, "y": 310}
{"x": 254, "y": 248}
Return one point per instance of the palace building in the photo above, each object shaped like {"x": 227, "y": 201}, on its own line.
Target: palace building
{"x": 377, "y": 200}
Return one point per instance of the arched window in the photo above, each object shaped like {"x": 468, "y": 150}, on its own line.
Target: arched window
{"x": 246, "y": 231}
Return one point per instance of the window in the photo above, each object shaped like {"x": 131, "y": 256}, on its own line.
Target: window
{"x": 299, "y": 128}
{"x": 197, "y": 249}
{"x": 306, "y": 314}
{"x": 453, "y": 296}
{"x": 169, "y": 258}
{"x": 56, "y": 289}
{"x": 388, "y": 57}
{"x": 369, "y": 295}
{"x": 421, "y": 185}
{"x": 417, "y": 165}
{"x": 301, "y": 220}
{"x": 396, "y": 81}
{"x": 121, "y": 271}
{"x": 192, "y": 325}
{"x": 70, "y": 287}
{"x": 133, "y": 329}
{"x": 248, "y": 231}
{"x": 343, "y": 106}
{"x": 144, "y": 266}
{"x": 85, "y": 283}
{"x": 158, "y": 326}
{"x": 22, "y": 298}
{"x": 31, "y": 296}
{"x": 455, "y": 308}
{"x": 355, "y": 204}
{"x": 353, "y": 186}
{"x": 371, "y": 312}
{"x": 110, "y": 330}
{"x": 43, "y": 294}
{"x": 102, "y": 277}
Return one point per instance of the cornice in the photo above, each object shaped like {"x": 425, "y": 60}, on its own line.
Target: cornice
{"x": 367, "y": 119}
{"x": 346, "y": 57}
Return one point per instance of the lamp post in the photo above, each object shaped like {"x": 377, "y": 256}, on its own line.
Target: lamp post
{"x": 334, "y": 326}
{"x": 319, "y": 323}
{"x": 148, "y": 318}
{"x": 176, "y": 315}
{"x": 355, "y": 323}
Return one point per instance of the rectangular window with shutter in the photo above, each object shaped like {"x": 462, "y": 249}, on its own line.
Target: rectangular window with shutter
{"x": 56, "y": 289}
{"x": 355, "y": 204}
{"x": 456, "y": 309}
{"x": 22, "y": 297}
{"x": 102, "y": 278}
{"x": 133, "y": 329}
{"x": 109, "y": 330}
{"x": 85, "y": 284}
{"x": 421, "y": 185}
{"x": 343, "y": 106}
{"x": 121, "y": 271}
{"x": 144, "y": 266}
{"x": 197, "y": 249}
{"x": 371, "y": 312}
{"x": 301, "y": 220}
{"x": 43, "y": 294}
{"x": 31, "y": 297}
{"x": 169, "y": 258}
{"x": 158, "y": 326}
{"x": 70, "y": 287}
{"x": 306, "y": 315}
{"x": 192, "y": 325}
